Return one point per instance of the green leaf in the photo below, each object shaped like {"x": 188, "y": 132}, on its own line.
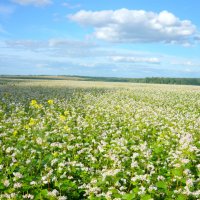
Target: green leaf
{"x": 2, "y": 186}
{"x": 177, "y": 172}
{"x": 134, "y": 183}
{"x": 57, "y": 184}
{"x": 183, "y": 180}
{"x": 136, "y": 190}
{"x": 41, "y": 195}
{"x": 128, "y": 196}
{"x": 181, "y": 197}
{"x": 158, "y": 150}
{"x": 146, "y": 197}
{"x": 44, "y": 192}
{"x": 161, "y": 184}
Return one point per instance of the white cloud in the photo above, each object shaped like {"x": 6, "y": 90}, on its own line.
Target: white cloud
{"x": 69, "y": 43}
{"x": 151, "y": 60}
{"x": 125, "y": 25}
{"x": 188, "y": 63}
{"x": 51, "y": 43}
{"x": 65, "y": 56}
{"x": 33, "y": 2}
{"x": 6, "y": 10}
{"x": 71, "y": 6}
{"x": 88, "y": 64}
{"x": 40, "y": 65}
{"x": 197, "y": 37}
{"x": 29, "y": 44}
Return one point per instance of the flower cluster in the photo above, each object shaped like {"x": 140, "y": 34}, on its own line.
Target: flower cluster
{"x": 111, "y": 142}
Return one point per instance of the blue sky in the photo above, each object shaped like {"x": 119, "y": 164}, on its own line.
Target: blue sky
{"x": 129, "y": 38}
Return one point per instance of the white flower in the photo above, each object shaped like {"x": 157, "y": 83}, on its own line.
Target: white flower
{"x": 142, "y": 190}
{"x": 39, "y": 140}
{"x": 6, "y": 183}
{"x": 62, "y": 198}
{"x": 198, "y": 167}
{"x": 189, "y": 182}
{"x": 9, "y": 149}
{"x": 187, "y": 171}
{"x": 28, "y": 196}
{"x": 28, "y": 161}
{"x": 33, "y": 183}
{"x": 54, "y": 161}
{"x": 93, "y": 181}
{"x": 53, "y": 193}
{"x": 152, "y": 187}
{"x": 134, "y": 164}
{"x": 17, "y": 175}
{"x": 160, "y": 178}
{"x": 185, "y": 161}
{"x": 17, "y": 185}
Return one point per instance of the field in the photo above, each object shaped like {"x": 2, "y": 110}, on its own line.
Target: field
{"x": 70, "y": 139}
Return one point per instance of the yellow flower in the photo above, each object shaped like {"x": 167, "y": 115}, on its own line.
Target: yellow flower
{"x": 32, "y": 122}
{"x": 55, "y": 154}
{"x": 26, "y": 126}
{"x": 35, "y": 104}
{"x": 62, "y": 118}
{"x": 67, "y": 129}
{"x": 50, "y": 102}
{"x": 15, "y": 133}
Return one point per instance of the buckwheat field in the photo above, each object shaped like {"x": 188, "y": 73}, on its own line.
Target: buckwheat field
{"x": 81, "y": 140}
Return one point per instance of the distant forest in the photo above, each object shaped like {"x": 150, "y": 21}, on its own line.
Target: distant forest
{"x": 156, "y": 80}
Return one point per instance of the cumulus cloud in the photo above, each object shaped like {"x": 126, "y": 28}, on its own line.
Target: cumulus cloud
{"x": 33, "y": 2}
{"x": 125, "y": 25}
{"x": 151, "y": 60}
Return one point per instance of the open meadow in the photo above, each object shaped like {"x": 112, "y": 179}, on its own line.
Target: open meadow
{"x": 76, "y": 140}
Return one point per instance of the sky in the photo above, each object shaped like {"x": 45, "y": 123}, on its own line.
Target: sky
{"x": 111, "y": 38}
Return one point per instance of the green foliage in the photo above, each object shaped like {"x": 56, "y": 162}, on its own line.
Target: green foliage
{"x": 112, "y": 141}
